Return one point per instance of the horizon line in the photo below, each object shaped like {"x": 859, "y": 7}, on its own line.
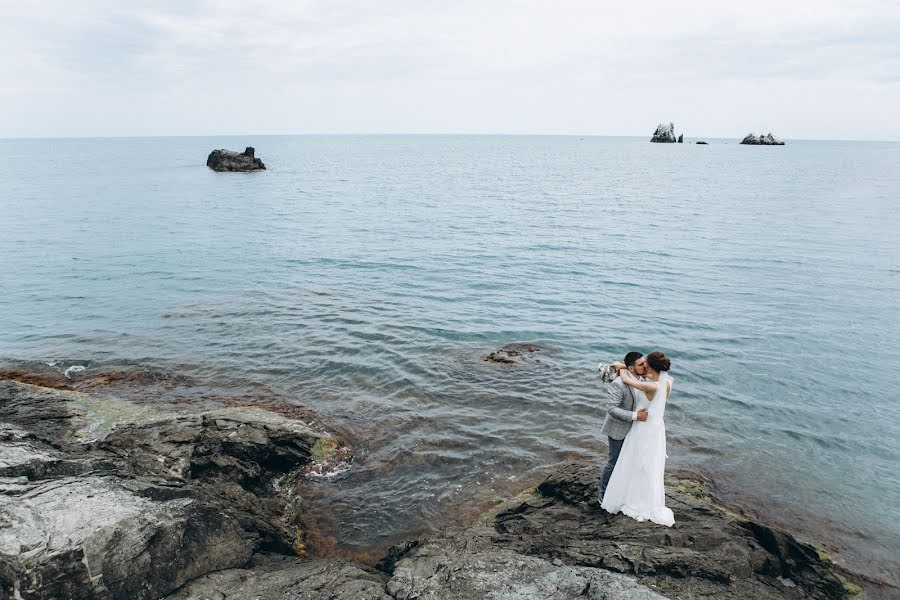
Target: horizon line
{"x": 423, "y": 134}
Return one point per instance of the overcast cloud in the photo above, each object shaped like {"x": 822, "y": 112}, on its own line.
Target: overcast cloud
{"x": 823, "y": 69}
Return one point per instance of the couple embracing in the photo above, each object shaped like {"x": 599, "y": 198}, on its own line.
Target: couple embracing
{"x": 632, "y": 481}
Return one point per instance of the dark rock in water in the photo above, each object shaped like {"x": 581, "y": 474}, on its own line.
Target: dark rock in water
{"x": 512, "y": 353}
{"x": 664, "y": 134}
{"x": 681, "y": 138}
{"x": 702, "y": 143}
{"x": 227, "y": 160}
{"x": 762, "y": 140}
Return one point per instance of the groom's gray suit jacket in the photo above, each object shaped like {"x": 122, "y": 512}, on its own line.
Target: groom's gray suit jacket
{"x": 619, "y": 410}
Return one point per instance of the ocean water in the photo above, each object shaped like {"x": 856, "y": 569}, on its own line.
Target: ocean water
{"x": 364, "y": 278}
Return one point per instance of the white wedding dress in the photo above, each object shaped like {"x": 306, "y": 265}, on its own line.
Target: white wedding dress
{"x": 636, "y": 487}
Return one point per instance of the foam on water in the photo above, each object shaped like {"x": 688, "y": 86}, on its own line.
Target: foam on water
{"x": 69, "y": 372}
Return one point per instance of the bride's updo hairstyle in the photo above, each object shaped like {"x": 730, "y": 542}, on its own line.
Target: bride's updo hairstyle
{"x": 658, "y": 361}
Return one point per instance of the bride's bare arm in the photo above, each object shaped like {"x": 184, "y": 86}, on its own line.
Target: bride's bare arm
{"x": 645, "y": 386}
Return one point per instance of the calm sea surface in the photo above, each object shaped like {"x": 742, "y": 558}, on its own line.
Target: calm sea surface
{"x": 365, "y": 277}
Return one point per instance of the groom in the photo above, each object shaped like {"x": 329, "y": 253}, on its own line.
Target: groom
{"x": 620, "y": 414}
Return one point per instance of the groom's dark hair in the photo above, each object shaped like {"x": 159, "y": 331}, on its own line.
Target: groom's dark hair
{"x": 631, "y": 358}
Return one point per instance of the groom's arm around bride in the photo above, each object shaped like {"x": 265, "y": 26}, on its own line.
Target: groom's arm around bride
{"x": 620, "y": 396}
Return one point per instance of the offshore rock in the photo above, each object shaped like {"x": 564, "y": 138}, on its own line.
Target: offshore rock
{"x": 515, "y": 353}
{"x": 227, "y": 160}
{"x": 762, "y": 140}
{"x": 702, "y": 143}
{"x": 681, "y": 139}
{"x": 664, "y": 134}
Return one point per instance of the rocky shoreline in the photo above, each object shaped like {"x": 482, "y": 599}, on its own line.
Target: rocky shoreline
{"x": 103, "y": 498}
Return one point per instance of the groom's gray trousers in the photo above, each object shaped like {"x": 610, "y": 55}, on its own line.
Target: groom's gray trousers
{"x": 615, "y": 446}
{"x": 619, "y": 418}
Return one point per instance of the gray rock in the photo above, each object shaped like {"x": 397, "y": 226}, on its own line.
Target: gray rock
{"x": 540, "y": 544}
{"x": 762, "y": 140}
{"x": 443, "y": 568}
{"x": 708, "y": 552}
{"x": 146, "y": 509}
{"x": 289, "y": 578}
{"x": 664, "y": 134}
{"x": 91, "y": 537}
{"x": 227, "y": 160}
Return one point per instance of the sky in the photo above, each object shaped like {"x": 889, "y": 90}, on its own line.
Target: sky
{"x": 823, "y": 69}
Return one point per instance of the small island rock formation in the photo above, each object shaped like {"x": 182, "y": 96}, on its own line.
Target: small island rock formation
{"x": 762, "y": 140}
{"x": 664, "y": 134}
{"x": 228, "y": 160}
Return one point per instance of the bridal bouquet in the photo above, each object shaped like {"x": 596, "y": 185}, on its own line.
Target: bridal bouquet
{"x": 608, "y": 372}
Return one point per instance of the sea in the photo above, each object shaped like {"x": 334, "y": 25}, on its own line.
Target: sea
{"x": 362, "y": 280}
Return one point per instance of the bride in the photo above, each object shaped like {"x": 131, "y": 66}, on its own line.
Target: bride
{"x": 636, "y": 487}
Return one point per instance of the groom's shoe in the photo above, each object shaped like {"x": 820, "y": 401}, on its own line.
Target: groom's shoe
{"x": 594, "y": 503}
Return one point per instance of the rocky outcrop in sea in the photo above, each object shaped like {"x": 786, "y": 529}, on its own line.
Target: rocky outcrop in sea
{"x": 103, "y": 498}
{"x": 761, "y": 140}
{"x": 228, "y": 160}
{"x": 514, "y": 353}
{"x": 664, "y": 134}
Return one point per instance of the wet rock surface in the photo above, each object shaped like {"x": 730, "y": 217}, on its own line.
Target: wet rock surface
{"x": 228, "y": 160}
{"x": 197, "y": 506}
{"x": 511, "y": 354}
